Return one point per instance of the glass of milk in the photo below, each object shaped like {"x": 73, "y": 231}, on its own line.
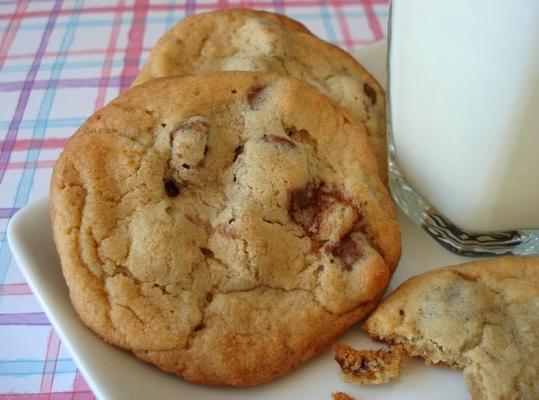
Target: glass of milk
{"x": 463, "y": 119}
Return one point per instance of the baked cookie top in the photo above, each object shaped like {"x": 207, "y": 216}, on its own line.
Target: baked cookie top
{"x": 248, "y": 40}
{"x": 225, "y": 227}
{"x": 482, "y": 317}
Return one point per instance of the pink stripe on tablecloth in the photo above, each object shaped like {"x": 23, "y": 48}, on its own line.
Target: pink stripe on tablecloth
{"x": 343, "y": 24}
{"x": 87, "y": 395}
{"x": 134, "y": 44}
{"x": 109, "y": 56}
{"x": 11, "y": 31}
{"x": 79, "y": 386}
{"x": 30, "y": 164}
{"x": 374, "y": 24}
{"x": 30, "y": 144}
{"x": 15, "y": 289}
{"x": 49, "y": 367}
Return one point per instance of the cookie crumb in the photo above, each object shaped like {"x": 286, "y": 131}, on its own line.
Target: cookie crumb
{"x": 341, "y": 396}
{"x": 369, "y": 366}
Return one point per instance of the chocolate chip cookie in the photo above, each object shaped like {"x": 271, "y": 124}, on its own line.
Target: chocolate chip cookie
{"x": 482, "y": 317}
{"x": 224, "y": 227}
{"x": 248, "y": 40}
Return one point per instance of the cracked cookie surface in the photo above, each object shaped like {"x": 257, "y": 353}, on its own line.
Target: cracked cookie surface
{"x": 248, "y": 40}
{"x": 482, "y": 317}
{"x": 223, "y": 242}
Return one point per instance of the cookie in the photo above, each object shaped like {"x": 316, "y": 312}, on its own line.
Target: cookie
{"x": 225, "y": 227}
{"x": 369, "y": 366}
{"x": 341, "y": 396}
{"x": 248, "y": 40}
{"x": 482, "y": 317}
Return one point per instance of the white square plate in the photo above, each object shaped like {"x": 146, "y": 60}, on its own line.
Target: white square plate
{"x": 117, "y": 375}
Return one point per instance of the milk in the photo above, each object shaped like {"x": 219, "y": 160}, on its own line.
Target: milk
{"x": 464, "y": 95}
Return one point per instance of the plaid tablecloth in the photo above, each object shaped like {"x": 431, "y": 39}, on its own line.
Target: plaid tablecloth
{"x": 60, "y": 61}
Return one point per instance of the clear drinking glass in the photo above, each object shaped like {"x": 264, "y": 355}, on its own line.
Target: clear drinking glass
{"x": 463, "y": 121}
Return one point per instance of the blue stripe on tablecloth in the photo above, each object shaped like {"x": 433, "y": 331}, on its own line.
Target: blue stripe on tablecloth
{"x": 169, "y": 19}
{"x": 326, "y": 19}
{"x": 35, "y": 367}
{"x": 51, "y": 123}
